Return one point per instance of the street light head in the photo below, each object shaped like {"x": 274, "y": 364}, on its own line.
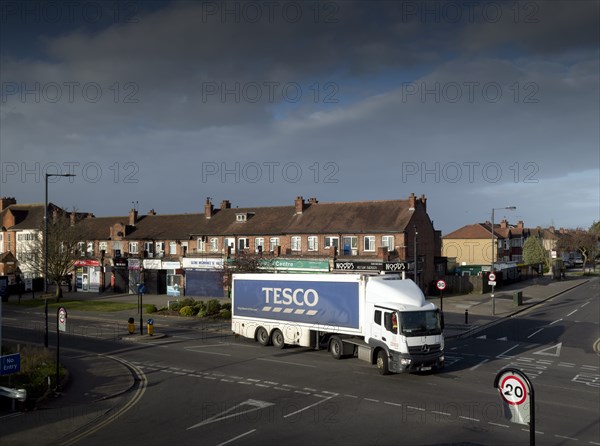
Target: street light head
{"x": 511, "y": 208}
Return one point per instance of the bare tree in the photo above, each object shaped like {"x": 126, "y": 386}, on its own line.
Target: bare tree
{"x": 246, "y": 262}
{"x": 63, "y": 250}
{"x": 583, "y": 241}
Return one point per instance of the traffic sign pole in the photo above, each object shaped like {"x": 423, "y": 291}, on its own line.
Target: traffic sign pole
{"x": 516, "y": 390}
{"x": 441, "y": 285}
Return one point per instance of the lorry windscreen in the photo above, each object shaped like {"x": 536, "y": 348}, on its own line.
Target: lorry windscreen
{"x": 420, "y": 323}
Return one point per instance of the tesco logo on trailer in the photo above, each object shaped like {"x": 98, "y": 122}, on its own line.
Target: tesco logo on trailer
{"x": 285, "y": 296}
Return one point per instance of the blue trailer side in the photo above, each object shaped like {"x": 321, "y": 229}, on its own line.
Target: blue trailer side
{"x": 296, "y": 301}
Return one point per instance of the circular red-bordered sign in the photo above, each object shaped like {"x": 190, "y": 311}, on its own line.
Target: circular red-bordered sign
{"x": 492, "y": 277}
{"x": 441, "y": 284}
{"x": 513, "y": 390}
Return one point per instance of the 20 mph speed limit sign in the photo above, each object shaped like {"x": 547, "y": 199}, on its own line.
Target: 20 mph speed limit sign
{"x": 516, "y": 392}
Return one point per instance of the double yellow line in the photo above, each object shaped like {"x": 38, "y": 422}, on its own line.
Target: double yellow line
{"x": 142, "y": 383}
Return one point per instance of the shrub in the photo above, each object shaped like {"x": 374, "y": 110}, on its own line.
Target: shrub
{"x": 150, "y": 309}
{"x": 226, "y": 306}
{"x": 212, "y": 307}
{"x": 200, "y": 306}
{"x": 225, "y": 313}
{"x": 180, "y": 303}
{"x": 187, "y": 311}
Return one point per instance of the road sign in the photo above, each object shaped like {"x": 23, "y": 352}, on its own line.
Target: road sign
{"x": 491, "y": 282}
{"x": 516, "y": 392}
{"x": 10, "y": 364}
{"x": 441, "y": 285}
{"x": 62, "y": 319}
{"x": 492, "y": 277}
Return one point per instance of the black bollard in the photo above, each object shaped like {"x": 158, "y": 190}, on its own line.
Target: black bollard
{"x": 466, "y": 317}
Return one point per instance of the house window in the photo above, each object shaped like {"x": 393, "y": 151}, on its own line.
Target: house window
{"x": 90, "y": 249}
{"x": 149, "y": 248}
{"x": 214, "y": 244}
{"x": 241, "y": 217}
{"x": 506, "y": 244}
{"x": 243, "y": 243}
{"x": 133, "y": 247}
{"x": 332, "y": 242}
{"x": 350, "y": 245}
{"x": 103, "y": 246}
{"x": 184, "y": 248}
{"x": 201, "y": 244}
{"x": 517, "y": 258}
{"x": 387, "y": 241}
{"x": 313, "y": 243}
{"x": 259, "y": 244}
{"x": 173, "y": 248}
{"x": 160, "y": 249}
{"x": 296, "y": 243}
{"x": 229, "y": 242}
{"x": 273, "y": 242}
{"x": 369, "y": 243}
{"x": 81, "y": 248}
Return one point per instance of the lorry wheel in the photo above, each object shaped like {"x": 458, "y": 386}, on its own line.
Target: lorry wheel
{"x": 382, "y": 363}
{"x": 278, "y": 339}
{"x": 336, "y": 347}
{"x": 262, "y": 336}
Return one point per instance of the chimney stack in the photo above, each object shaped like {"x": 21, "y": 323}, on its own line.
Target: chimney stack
{"x": 424, "y": 202}
{"x": 504, "y": 223}
{"x": 6, "y": 202}
{"x": 299, "y": 203}
{"x": 225, "y": 204}
{"x": 151, "y": 212}
{"x": 208, "y": 208}
{"x": 312, "y": 200}
{"x": 133, "y": 216}
{"x": 72, "y": 218}
{"x": 520, "y": 224}
{"x": 411, "y": 201}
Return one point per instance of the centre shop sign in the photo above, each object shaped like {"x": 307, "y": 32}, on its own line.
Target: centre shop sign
{"x": 346, "y": 265}
{"x": 296, "y": 265}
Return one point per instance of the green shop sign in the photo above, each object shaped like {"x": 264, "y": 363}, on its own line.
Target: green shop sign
{"x": 296, "y": 265}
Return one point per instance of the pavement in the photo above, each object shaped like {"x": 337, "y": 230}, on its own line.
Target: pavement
{"x": 98, "y": 383}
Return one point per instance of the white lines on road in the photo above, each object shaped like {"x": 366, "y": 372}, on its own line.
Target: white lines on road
{"x": 499, "y": 425}
{"x": 371, "y": 400}
{"x": 391, "y": 404}
{"x": 286, "y": 362}
{"x": 416, "y": 408}
{"x": 566, "y": 364}
{"x": 554, "y": 322}
{"x": 469, "y": 418}
{"x": 571, "y": 313}
{"x": 237, "y": 438}
{"x": 480, "y": 364}
{"x": 309, "y": 406}
{"x": 208, "y": 353}
{"x": 565, "y": 438}
{"x": 534, "y": 333}
{"x": 584, "y": 304}
{"x": 350, "y": 396}
{"x": 590, "y": 367}
{"x": 503, "y": 354}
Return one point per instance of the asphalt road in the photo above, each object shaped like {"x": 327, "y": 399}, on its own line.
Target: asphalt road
{"x": 205, "y": 387}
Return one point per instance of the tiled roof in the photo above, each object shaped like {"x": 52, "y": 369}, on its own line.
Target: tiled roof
{"x": 317, "y": 218}
{"x": 474, "y": 231}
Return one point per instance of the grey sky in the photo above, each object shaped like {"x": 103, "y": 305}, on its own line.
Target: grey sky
{"x": 475, "y": 104}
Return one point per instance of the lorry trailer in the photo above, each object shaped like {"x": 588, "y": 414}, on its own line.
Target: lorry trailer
{"x": 384, "y": 319}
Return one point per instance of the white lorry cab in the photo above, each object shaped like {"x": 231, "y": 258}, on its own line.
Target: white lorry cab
{"x": 380, "y": 319}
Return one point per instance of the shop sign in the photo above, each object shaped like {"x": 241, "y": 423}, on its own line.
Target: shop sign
{"x": 152, "y": 264}
{"x": 205, "y": 263}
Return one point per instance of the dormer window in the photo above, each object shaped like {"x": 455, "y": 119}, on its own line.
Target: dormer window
{"x": 241, "y": 217}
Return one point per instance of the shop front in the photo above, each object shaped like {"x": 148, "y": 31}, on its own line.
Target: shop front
{"x": 203, "y": 277}
{"x": 87, "y": 275}
{"x": 175, "y": 277}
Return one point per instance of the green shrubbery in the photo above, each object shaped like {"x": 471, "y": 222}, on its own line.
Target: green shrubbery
{"x": 209, "y": 308}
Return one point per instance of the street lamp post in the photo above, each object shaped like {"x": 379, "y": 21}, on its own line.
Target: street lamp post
{"x": 48, "y": 175}
{"x": 415, "y": 256}
{"x": 511, "y": 208}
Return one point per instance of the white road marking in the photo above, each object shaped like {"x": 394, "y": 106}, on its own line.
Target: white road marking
{"x": 534, "y": 333}
{"x": 441, "y": 413}
{"x": 499, "y": 425}
{"x": 209, "y": 353}
{"x": 371, "y": 400}
{"x": 571, "y": 313}
{"x": 392, "y": 404}
{"x": 554, "y": 322}
{"x": 237, "y": 438}
{"x": 468, "y": 418}
{"x": 480, "y": 364}
{"x": 416, "y": 408}
{"x": 309, "y": 407}
{"x": 285, "y": 362}
{"x": 566, "y": 438}
{"x": 351, "y": 396}
{"x": 502, "y": 355}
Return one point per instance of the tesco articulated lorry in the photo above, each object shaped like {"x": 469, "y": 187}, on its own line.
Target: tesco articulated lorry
{"x": 380, "y": 319}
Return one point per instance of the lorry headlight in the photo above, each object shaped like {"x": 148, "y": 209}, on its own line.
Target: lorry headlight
{"x": 405, "y": 361}
{"x": 442, "y": 358}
